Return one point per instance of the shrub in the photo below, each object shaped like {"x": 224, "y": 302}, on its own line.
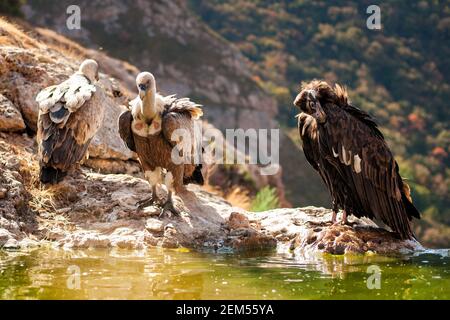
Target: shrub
{"x": 266, "y": 199}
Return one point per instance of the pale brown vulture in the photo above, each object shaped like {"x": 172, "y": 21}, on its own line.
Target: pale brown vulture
{"x": 148, "y": 129}
{"x": 345, "y": 146}
{"x": 70, "y": 114}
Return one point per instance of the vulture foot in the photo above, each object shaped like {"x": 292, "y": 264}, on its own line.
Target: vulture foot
{"x": 344, "y": 223}
{"x": 147, "y": 202}
{"x": 169, "y": 207}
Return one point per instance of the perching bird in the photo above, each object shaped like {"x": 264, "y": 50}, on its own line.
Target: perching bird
{"x": 345, "y": 146}
{"x": 148, "y": 130}
{"x": 70, "y": 114}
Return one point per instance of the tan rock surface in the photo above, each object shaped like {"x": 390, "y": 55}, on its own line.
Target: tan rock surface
{"x": 10, "y": 117}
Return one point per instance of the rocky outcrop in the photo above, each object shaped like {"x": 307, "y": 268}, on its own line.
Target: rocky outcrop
{"x": 309, "y": 230}
{"x": 10, "y": 117}
{"x": 30, "y": 70}
{"x": 93, "y": 210}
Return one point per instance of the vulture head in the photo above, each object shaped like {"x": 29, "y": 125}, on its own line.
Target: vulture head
{"x": 317, "y": 93}
{"x": 145, "y": 82}
{"x": 89, "y": 68}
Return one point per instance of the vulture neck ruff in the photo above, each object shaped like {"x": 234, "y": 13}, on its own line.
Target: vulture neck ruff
{"x": 147, "y": 115}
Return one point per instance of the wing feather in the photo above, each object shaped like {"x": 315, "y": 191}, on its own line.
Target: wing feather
{"x": 373, "y": 177}
{"x": 125, "y": 131}
{"x": 69, "y": 116}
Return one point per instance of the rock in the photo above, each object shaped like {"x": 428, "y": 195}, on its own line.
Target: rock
{"x": 113, "y": 166}
{"x": 11, "y": 244}
{"x": 10, "y": 117}
{"x": 154, "y": 225}
{"x": 107, "y": 143}
{"x": 3, "y": 193}
{"x": 238, "y": 220}
{"x": 5, "y": 235}
{"x": 309, "y": 230}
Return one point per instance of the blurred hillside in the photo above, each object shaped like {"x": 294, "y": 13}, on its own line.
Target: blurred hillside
{"x": 400, "y": 74}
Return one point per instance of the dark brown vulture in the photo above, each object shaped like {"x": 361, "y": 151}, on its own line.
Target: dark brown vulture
{"x": 345, "y": 146}
{"x": 148, "y": 130}
{"x": 69, "y": 116}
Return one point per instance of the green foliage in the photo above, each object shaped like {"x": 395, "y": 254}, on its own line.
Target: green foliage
{"x": 400, "y": 74}
{"x": 11, "y": 7}
{"x": 266, "y": 199}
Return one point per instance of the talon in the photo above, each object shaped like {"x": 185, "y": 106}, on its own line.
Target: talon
{"x": 169, "y": 207}
{"x": 145, "y": 203}
{"x": 148, "y": 202}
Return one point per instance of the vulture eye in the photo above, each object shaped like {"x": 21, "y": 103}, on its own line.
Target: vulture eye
{"x": 143, "y": 87}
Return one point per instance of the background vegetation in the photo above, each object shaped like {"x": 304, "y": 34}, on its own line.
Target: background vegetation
{"x": 400, "y": 74}
{"x": 11, "y": 7}
{"x": 266, "y": 199}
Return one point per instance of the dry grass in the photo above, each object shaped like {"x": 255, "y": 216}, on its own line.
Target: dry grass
{"x": 45, "y": 201}
{"x": 15, "y": 34}
{"x": 42, "y": 200}
{"x": 61, "y": 44}
{"x": 12, "y": 34}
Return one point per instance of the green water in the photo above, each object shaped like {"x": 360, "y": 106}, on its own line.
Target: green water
{"x": 179, "y": 274}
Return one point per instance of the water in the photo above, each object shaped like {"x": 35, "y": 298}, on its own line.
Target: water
{"x": 180, "y": 274}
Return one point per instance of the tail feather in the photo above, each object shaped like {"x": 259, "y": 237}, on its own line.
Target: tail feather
{"x": 411, "y": 210}
{"x": 196, "y": 178}
{"x": 50, "y": 175}
{"x": 184, "y": 105}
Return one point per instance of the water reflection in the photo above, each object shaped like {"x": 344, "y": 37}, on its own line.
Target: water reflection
{"x": 172, "y": 274}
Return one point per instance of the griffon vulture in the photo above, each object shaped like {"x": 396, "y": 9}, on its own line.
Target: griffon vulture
{"x": 148, "y": 130}
{"x": 345, "y": 146}
{"x": 69, "y": 116}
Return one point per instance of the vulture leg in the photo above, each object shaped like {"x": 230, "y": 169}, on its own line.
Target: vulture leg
{"x": 334, "y": 217}
{"x": 335, "y": 212}
{"x": 169, "y": 205}
{"x": 149, "y": 201}
{"x": 344, "y": 221}
{"x": 344, "y": 217}
{"x": 153, "y": 178}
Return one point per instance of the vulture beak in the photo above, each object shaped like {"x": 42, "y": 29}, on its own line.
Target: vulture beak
{"x": 314, "y": 107}
{"x": 297, "y": 100}
{"x": 142, "y": 90}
